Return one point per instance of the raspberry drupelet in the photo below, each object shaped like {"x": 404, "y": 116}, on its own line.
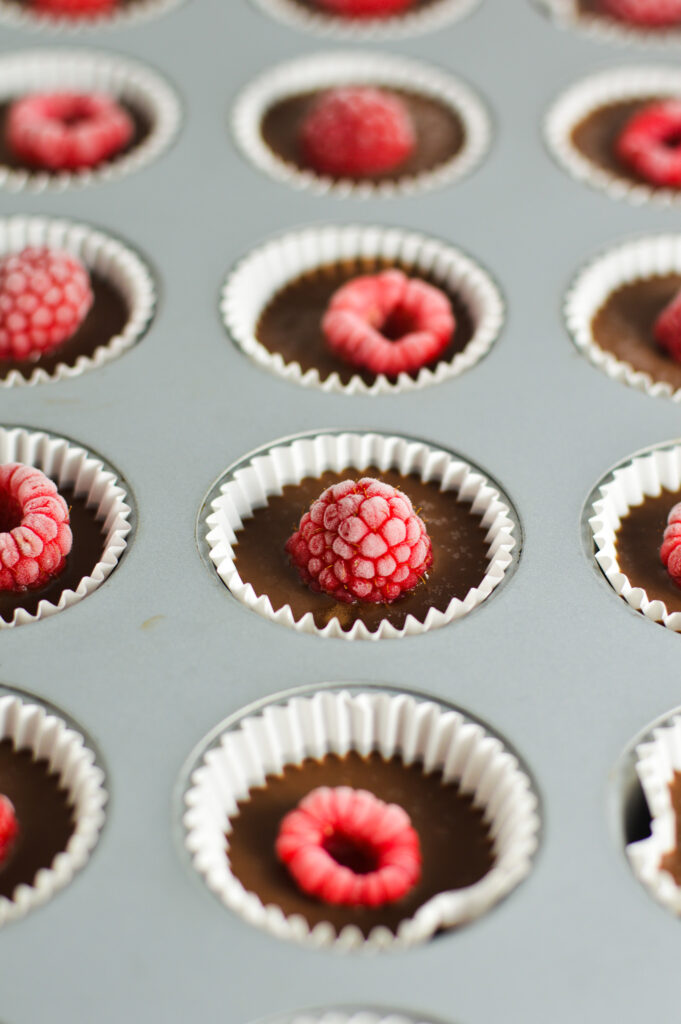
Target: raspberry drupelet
{"x": 345, "y": 846}
{"x": 667, "y": 328}
{"x": 670, "y": 552}
{"x": 361, "y": 541}
{"x": 650, "y": 143}
{"x": 35, "y": 536}
{"x": 365, "y": 8}
{"x": 646, "y": 13}
{"x": 75, "y": 8}
{"x": 9, "y": 828}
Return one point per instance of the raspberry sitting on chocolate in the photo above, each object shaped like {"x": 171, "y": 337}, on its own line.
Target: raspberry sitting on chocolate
{"x": 650, "y": 143}
{"x": 361, "y": 541}
{"x": 365, "y": 8}
{"x": 75, "y": 8}
{"x": 345, "y": 846}
{"x": 9, "y": 828}
{"x": 648, "y": 13}
{"x": 388, "y": 323}
{"x": 667, "y": 328}
{"x": 35, "y": 536}
{"x": 357, "y": 131}
{"x": 670, "y": 552}
{"x": 45, "y": 295}
{"x": 65, "y": 131}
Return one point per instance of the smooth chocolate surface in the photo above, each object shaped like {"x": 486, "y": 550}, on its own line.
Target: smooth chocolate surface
{"x": 638, "y": 543}
{"x": 439, "y": 133}
{"x": 458, "y": 539}
{"x": 291, "y": 323}
{"x": 87, "y": 549}
{"x": 107, "y": 317}
{"x": 625, "y": 322}
{"x": 596, "y": 136}
{"x": 43, "y": 813}
{"x": 671, "y": 861}
{"x": 456, "y": 845}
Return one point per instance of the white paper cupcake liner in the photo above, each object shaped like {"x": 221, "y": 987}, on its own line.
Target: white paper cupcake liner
{"x": 100, "y": 254}
{"x": 266, "y": 270}
{"x": 87, "y": 70}
{"x": 435, "y": 16}
{"x": 71, "y": 466}
{"x": 588, "y": 95}
{"x": 628, "y": 485}
{"x": 632, "y": 261}
{"x": 30, "y": 726}
{"x": 566, "y": 14}
{"x": 338, "y": 722}
{"x": 22, "y": 16}
{"x": 349, "y": 1015}
{"x": 267, "y": 472}
{"x": 338, "y": 68}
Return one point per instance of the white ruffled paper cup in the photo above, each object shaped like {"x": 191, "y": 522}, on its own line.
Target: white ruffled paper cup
{"x": 567, "y": 14}
{"x": 587, "y": 96}
{"x": 646, "y": 475}
{"x": 21, "y": 15}
{"x": 342, "y": 68}
{"x": 349, "y": 1015}
{"x": 248, "y": 485}
{"x": 335, "y": 722}
{"x": 101, "y": 254}
{"x": 632, "y": 261}
{"x": 69, "y": 465}
{"x": 127, "y": 81}
{"x": 268, "y": 269}
{"x": 31, "y": 726}
{"x": 429, "y": 18}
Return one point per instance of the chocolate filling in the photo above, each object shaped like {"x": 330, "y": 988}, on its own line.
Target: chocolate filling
{"x": 439, "y": 131}
{"x": 671, "y": 861}
{"x": 456, "y": 844}
{"x": 291, "y": 323}
{"x": 638, "y": 542}
{"x": 459, "y": 552}
{"x": 318, "y": 7}
{"x": 596, "y": 136}
{"x": 42, "y": 808}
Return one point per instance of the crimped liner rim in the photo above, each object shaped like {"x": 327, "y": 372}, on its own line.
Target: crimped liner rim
{"x": 340, "y": 67}
{"x": 21, "y": 16}
{"x": 341, "y": 1015}
{"x": 327, "y": 722}
{"x": 99, "y": 252}
{"x": 290, "y": 255}
{"x": 414, "y": 23}
{"x": 32, "y": 726}
{"x": 607, "y": 30}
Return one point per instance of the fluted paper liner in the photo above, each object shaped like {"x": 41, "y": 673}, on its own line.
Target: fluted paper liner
{"x": 266, "y": 270}
{"x": 125, "y": 80}
{"x": 566, "y": 14}
{"x": 582, "y": 99}
{"x": 339, "y": 68}
{"x": 70, "y": 465}
{"x": 342, "y": 1015}
{"x": 435, "y": 15}
{"x": 338, "y": 722}
{"x": 645, "y": 476}
{"x": 633, "y": 261}
{"x": 266, "y": 474}
{"x": 99, "y": 253}
{"x": 30, "y": 726}
{"x": 125, "y": 15}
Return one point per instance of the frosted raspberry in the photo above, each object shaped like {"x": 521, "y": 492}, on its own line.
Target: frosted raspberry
{"x": 45, "y": 295}
{"x": 650, "y": 143}
{"x": 361, "y": 541}
{"x": 670, "y": 552}
{"x": 346, "y": 846}
{"x": 365, "y": 8}
{"x": 67, "y": 130}
{"x": 9, "y": 828}
{"x": 668, "y": 328}
{"x": 651, "y": 13}
{"x": 35, "y": 536}
{"x": 357, "y": 131}
{"x": 388, "y": 323}
{"x": 75, "y": 8}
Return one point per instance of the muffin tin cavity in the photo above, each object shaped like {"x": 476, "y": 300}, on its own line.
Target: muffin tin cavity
{"x": 351, "y": 1015}
{"x": 588, "y": 16}
{"x": 423, "y": 16}
{"x": 23, "y": 15}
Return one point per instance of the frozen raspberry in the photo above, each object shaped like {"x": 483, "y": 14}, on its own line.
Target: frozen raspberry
{"x": 9, "y": 828}
{"x": 64, "y": 131}
{"x": 670, "y": 552}
{"x": 668, "y": 328}
{"x": 35, "y": 536}
{"x": 45, "y": 295}
{"x": 75, "y": 8}
{"x": 651, "y": 13}
{"x": 346, "y": 846}
{"x": 650, "y": 143}
{"x": 388, "y": 323}
{"x": 361, "y": 541}
{"x": 365, "y": 8}
{"x": 355, "y": 132}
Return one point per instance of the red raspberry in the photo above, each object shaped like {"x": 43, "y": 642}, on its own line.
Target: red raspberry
{"x": 365, "y": 8}
{"x": 357, "y": 131}
{"x": 346, "y": 846}
{"x": 45, "y": 295}
{"x": 388, "y": 323}
{"x": 652, "y": 13}
{"x": 75, "y": 8}
{"x": 668, "y": 328}
{"x": 361, "y": 541}
{"x": 9, "y": 828}
{"x": 67, "y": 130}
{"x": 670, "y": 552}
{"x": 650, "y": 143}
{"x": 35, "y": 536}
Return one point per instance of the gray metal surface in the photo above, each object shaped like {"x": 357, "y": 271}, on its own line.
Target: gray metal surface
{"x": 161, "y": 652}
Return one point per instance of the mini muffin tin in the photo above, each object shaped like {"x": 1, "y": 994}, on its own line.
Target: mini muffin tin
{"x": 161, "y": 653}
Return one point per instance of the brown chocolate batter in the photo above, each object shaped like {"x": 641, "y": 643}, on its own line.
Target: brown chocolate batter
{"x": 459, "y": 552}
{"x": 638, "y": 544}
{"x": 624, "y": 326}
{"x": 88, "y": 546}
{"x": 456, "y": 845}
{"x": 439, "y": 133}
{"x": 596, "y": 135}
{"x": 671, "y": 861}
{"x": 43, "y": 812}
{"x": 291, "y": 322}
{"x": 107, "y": 317}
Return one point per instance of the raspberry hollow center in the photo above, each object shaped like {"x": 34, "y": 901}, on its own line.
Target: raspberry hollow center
{"x": 350, "y": 852}
{"x": 10, "y": 512}
{"x": 398, "y": 323}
